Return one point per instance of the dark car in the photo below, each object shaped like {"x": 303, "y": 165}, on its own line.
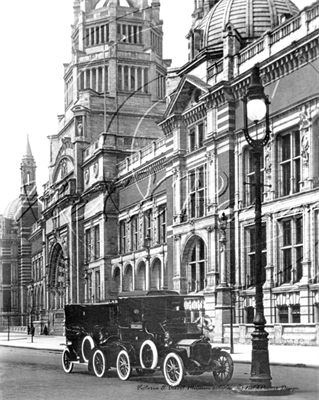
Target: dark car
{"x": 145, "y": 331}
{"x": 155, "y": 336}
{"x": 87, "y": 327}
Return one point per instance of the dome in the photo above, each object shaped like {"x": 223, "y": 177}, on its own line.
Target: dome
{"x": 251, "y": 18}
{"x": 11, "y": 209}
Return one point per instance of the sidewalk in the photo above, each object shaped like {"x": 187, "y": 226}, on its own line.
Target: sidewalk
{"x": 300, "y": 356}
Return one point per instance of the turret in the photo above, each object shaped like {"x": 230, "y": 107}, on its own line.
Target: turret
{"x": 28, "y": 170}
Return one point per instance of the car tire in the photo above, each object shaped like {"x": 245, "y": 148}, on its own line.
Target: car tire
{"x": 123, "y": 365}
{"x": 86, "y": 348}
{"x": 67, "y": 364}
{"x": 225, "y": 373}
{"x": 99, "y": 363}
{"x": 148, "y": 355}
{"x": 173, "y": 369}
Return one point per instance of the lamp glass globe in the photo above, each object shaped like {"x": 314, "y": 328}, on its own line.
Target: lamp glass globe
{"x": 256, "y": 109}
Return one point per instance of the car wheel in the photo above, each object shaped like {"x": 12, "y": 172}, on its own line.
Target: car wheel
{"x": 173, "y": 369}
{"x": 67, "y": 364}
{"x": 123, "y": 365}
{"x": 225, "y": 371}
{"x": 148, "y": 355}
{"x": 99, "y": 363}
{"x": 87, "y": 347}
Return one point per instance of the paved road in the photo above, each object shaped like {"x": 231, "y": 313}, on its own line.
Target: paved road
{"x": 36, "y": 374}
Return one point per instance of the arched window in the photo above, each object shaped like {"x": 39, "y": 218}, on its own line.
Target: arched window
{"x": 57, "y": 276}
{"x": 156, "y": 274}
{"x": 117, "y": 280}
{"x": 196, "y": 264}
{"x": 140, "y": 279}
{"x": 128, "y": 279}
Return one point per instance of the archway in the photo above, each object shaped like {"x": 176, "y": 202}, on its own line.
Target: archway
{"x": 141, "y": 276}
{"x": 156, "y": 274}
{"x": 57, "y": 278}
{"x": 116, "y": 280}
{"x": 128, "y": 278}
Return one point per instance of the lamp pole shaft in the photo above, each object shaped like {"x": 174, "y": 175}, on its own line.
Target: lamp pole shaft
{"x": 260, "y": 369}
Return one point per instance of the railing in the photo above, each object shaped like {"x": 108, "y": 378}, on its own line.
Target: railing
{"x": 251, "y": 51}
{"x": 148, "y": 152}
{"x": 285, "y": 30}
{"x": 287, "y": 334}
{"x": 313, "y": 13}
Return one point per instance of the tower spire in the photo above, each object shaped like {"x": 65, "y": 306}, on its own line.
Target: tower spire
{"x": 28, "y": 167}
{"x": 28, "y": 152}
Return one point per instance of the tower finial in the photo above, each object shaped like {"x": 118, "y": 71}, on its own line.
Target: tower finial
{"x": 28, "y": 152}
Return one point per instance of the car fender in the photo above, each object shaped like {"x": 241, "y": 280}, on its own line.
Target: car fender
{"x": 166, "y": 350}
{"x": 126, "y": 346}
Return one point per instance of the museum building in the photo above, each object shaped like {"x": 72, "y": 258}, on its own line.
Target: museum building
{"x": 152, "y": 182}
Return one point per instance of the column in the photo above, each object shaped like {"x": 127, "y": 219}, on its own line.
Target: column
{"x": 91, "y": 36}
{"x": 143, "y": 80}
{"x": 123, "y": 77}
{"x": 91, "y": 78}
{"x": 103, "y": 80}
{"x": 129, "y": 77}
{"x": 97, "y": 77}
{"x": 136, "y": 80}
{"x": 147, "y": 272}
{"x": 95, "y": 35}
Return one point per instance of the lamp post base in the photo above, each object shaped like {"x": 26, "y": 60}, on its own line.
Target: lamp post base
{"x": 260, "y": 370}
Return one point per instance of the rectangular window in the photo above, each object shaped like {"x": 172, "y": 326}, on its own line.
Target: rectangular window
{"x": 295, "y": 313}
{"x": 192, "y": 140}
{"x": 97, "y": 241}
{"x": 292, "y": 249}
{"x": 197, "y": 192}
{"x": 6, "y": 274}
{"x": 200, "y": 135}
{"x": 283, "y": 314}
{"x": 250, "y": 314}
{"x": 251, "y": 273}
{"x": 162, "y": 224}
{"x": 97, "y": 286}
{"x": 250, "y": 183}
{"x": 6, "y": 300}
{"x": 89, "y": 288}
{"x": 88, "y": 245}
{"x": 290, "y": 164}
{"x": 134, "y": 233}
{"x": 122, "y": 237}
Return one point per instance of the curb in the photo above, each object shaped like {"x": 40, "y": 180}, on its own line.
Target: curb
{"x": 298, "y": 365}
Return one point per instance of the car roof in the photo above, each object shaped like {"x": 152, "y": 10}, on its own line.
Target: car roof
{"x": 148, "y": 293}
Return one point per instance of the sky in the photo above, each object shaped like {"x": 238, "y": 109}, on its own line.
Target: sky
{"x": 34, "y": 44}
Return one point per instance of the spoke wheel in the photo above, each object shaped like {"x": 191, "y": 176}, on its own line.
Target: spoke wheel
{"x": 67, "y": 364}
{"x": 87, "y": 347}
{"x": 148, "y": 355}
{"x": 173, "y": 369}
{"x": 123, "y": 365}
{"x": 225, "y": 372}
{"x": 99, "y": 363}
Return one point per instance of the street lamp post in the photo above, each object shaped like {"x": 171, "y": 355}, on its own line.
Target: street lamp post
{"x": 31, "y": 310}
{"x": 147, "y": 245}
{"x": 256, "y": 109}
{"x": 224, "y": 276}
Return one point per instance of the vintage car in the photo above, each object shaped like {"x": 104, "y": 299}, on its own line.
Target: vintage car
{"x": 156, "y": 336}
{"x": 87, "y": 326}
{"x": 145, "y": 331}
